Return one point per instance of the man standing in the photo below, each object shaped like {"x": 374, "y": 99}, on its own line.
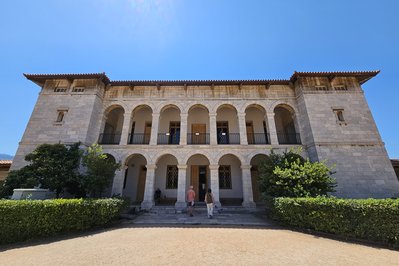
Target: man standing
{"x": 190, "y": 200}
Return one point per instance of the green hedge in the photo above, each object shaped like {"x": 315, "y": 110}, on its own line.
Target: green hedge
{"x": 25, "y": 219}
{"x": 371, "y": 219}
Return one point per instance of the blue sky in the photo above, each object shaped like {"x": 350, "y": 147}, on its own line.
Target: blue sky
{"x": 161, "y": 39}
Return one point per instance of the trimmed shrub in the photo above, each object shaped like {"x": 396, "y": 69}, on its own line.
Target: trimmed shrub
{"x": 371, "y": 219}
{"x": 25, "y": 219}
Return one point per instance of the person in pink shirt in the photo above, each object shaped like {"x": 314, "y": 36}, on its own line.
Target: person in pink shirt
{"x": 190, "y": 200}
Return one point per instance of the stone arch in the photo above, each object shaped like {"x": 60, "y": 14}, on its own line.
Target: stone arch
{"x": 196, "y": 105}
{"x": 144, "y": 105}
{"x": 165, "y": 106}
{"x": 238, "y": 155}
{"x": 159, "y": 157}
{"x": 226, "y": 105}
{"x": 258, "y": 104}
{"x": 290, "y": 107}
{"x": 134, "y": 177}
{"x": 115, "y": 104}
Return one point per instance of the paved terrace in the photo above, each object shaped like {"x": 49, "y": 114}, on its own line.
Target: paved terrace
{"x": 233, "y": 237}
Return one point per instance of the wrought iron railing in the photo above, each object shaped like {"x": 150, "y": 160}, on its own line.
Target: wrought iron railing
{"x": 228, "y": 138}
{"x": 289, "y": 138}
{"x": 198, "y": 138}
{"x": 258, "y": 138}
{"x": 139, "y": 138}
{"x": 169, "y": 139}
{"x": 112, "y": 139}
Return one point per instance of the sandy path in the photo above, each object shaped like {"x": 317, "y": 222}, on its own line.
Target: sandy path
{"x": 198, "y": 246}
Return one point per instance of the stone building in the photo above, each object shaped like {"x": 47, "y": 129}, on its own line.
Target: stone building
{"x": 213, "y": 133}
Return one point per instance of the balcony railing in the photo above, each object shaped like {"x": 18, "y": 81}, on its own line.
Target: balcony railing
{"x": 169, "y": 139}
{"x": 258, "y": 138}
{"x": 139, "y": 139}
{"x": 289, "y": 138}
{"x": 229, "y": 138}
{"x": 113, "y": 139}
{"x": 198, "y": 138}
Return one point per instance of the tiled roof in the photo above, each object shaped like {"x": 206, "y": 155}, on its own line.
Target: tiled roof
{"x": 362, "y": 76}
{"x": 198, "y": 82}
{"x": 5, "y": 162}
{"x": 41, "y": 78}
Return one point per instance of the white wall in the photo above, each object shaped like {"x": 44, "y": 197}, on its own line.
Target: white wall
{"x": 160, "y": 176}
{"x": 230, "y": 115}
{"x": 198, "y": 116}
{"x": 134, "y": 166}
{"x": 170, "y": 114}
{"x": 140, "y": 118}
{"x": 236, "y": 180}
{"x": 257, "y": 117}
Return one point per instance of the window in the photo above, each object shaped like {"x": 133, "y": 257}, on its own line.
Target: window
{"x": 321, "y": 88}
{"x": 224, "y": 177}
{"x": 339, "y": 115}
{"x": 60, "y": 89}
{"x": 60, "y": 116}
{"x": 78, "y": 89}
{"x": 171, "y": 177}
{"x": 340, "y": 88}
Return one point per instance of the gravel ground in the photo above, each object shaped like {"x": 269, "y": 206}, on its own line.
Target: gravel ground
{"x": 132, "y": 245}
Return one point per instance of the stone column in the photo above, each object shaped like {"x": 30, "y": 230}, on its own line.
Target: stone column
{"x": 117, "y": 186}
{"x": 183, "y": 129}
{"x": 243, "y": 129}
{"x": 214, "y": 171}
{"x": 181, "y": 188}
{"x": 272, "y": 128}
{"x": 154, "y": 129}
{"x": 149, "y": 190}
{"x": 127, "y": 117}
{"x": 212, "y": 129}
{"x": 248, "y": 201}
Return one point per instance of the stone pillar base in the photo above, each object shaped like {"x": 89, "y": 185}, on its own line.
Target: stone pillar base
{"x": 249, "y": 204}
{"x": 147, "y": 205}
{"x": 180, "y": 206}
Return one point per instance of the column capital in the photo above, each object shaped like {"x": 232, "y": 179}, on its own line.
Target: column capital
{"x": 183, "y": 114}
{"x": 155, "y": 114}
{"x": 213, "y": 167}
{"x": 241, "y": 114}
{"x": 182, "y": 166}
{"x": 246, "y": 166}
{"x": 151, "y": 166}
{"x": 212, "y": 114}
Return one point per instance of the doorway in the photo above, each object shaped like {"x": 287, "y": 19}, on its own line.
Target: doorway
{"x": 250, "y": 132}
{"x": 198, "y": 134}
{"x": 141, "y": 184}
{"x": 199, "y": 180}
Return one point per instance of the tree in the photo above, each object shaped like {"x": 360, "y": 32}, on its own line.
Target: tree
{"x": 290, "y": 175}
{"x": 52, "y": 166}
{"x": 100, "y": 170}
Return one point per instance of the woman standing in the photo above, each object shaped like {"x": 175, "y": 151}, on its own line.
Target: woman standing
{"x": 210, "y": 202}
